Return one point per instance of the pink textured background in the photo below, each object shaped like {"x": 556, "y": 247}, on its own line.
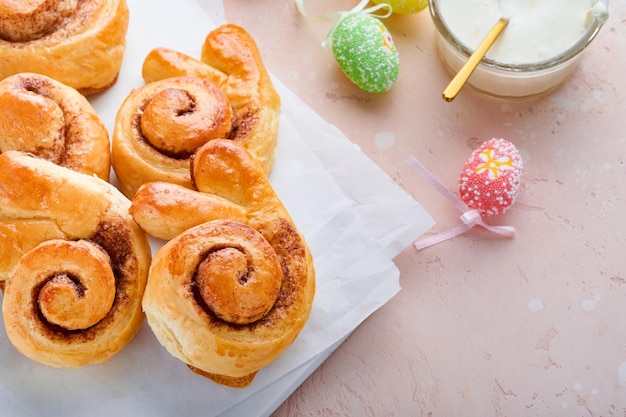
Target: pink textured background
{"x": 483, "y": 326}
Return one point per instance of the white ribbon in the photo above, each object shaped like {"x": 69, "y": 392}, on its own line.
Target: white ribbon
{"x": 469, "y": 217}
{"x": 339, "y": 16}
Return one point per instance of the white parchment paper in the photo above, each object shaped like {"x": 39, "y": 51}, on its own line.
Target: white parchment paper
{"x": 353, "y": 231}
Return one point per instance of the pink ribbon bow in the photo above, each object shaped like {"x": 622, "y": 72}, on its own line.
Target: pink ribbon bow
{"x": 470, "y": 217}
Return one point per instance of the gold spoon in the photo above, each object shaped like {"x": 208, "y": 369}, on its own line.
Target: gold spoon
{"x": 468, "y": 68}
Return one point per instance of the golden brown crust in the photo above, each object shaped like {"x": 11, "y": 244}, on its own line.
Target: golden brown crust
{"x": 161, "y": 63}
{"x": 71, "y": 238}
{"x": 233, "y": 382}
{"x": 203, "y": 327}
{"x": 231, "y": 59}
{"x": 79, "y": 43}
{"x": 166, "y": 210}
{"x": 32, "y": 19}
{"x": 53, "y": 121}
{"x": 160, "y": 125}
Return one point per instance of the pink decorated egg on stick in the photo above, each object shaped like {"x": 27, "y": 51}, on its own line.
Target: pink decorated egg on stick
{"x": 490, "y": 179}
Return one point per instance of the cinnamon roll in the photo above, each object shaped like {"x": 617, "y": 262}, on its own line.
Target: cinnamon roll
{"x": 77, "y": 264}
{"x": 79, "y": 43}
{"x": 160, "y": 125}
{"x": 53, "y": 121}
{"x": 230, "y": 58}
{"x": 228, "y": 295}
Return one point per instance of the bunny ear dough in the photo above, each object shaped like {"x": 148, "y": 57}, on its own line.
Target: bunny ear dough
{"x": 228, "y": 184}
{"x": 490, "y": 179}
{"x": 165, "y": 210}
{"x": 161, "y": 63}
{"x": 223, "y": 168}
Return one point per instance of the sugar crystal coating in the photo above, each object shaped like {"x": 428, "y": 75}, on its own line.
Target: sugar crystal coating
{"x": 490, "y": 179}
{"x": 364, "y": 50}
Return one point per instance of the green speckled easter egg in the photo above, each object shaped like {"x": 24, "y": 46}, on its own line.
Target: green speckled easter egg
{"x": 365, "y": 52}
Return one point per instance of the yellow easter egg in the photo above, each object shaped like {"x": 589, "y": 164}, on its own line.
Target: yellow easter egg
{"x": 405, "y": 6}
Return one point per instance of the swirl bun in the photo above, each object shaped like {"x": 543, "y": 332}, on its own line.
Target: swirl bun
{"x": 79, "y": 43}
{"x": 234, "y": 285}
{"x": 53, "y": 121}
{"x": 75, "y": 263}
{"x": 231, "y": 59}
{"x": 27, "y": 20}
{"x": 160, "y": 125}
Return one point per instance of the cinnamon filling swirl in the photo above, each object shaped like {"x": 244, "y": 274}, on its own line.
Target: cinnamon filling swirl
{"x": 160, "y": 125}
{"x": 80, "y": 43}
{"x": 53, "y": 121}
{"x": 231, "y": 59}
{"x": 77, "y": 295}
{"x": 176, "y": 121}
{"x": 239, "y": 282}
{"x": 228, "y": 295}
{"x": 76, "y": 265}
{"x": 28, "y": 20}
